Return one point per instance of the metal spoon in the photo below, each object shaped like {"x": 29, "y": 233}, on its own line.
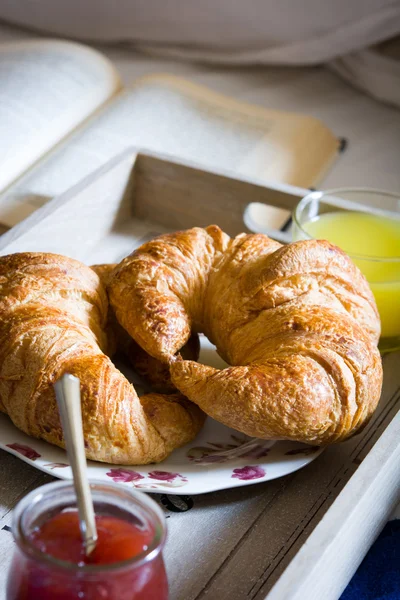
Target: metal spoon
{"x": 69, "y": 404}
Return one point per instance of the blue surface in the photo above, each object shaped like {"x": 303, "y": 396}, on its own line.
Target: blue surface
{"x": 378, "y": 576}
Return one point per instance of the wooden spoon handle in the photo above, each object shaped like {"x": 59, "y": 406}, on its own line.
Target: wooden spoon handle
{"x": 69, "y": 404}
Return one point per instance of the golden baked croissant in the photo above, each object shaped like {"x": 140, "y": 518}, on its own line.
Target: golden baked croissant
{"x": 152, "y": 371}
{"x": 298, "y": 322}
{"x": 53, "y": 311}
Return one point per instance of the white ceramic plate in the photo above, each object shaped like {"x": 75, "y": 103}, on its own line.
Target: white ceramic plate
{"x": 219, "y": 457}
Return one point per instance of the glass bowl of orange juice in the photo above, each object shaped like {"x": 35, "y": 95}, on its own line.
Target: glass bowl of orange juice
{"x": 365, "y": 223}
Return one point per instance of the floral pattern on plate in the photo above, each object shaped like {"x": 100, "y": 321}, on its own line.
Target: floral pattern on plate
{"x": 25, "y": 450}
{"x": 219, "y": 458}
{"x": 238, "y": 448}
{"x": 159, "y": 478}
{"x": 248, "y": 473}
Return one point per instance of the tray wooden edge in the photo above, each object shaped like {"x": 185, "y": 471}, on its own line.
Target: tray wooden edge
{"x": 335, "y": 548}
{"x": 134, "y": 155}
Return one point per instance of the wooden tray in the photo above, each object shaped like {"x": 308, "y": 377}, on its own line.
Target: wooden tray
{"x": 299, "y": 537}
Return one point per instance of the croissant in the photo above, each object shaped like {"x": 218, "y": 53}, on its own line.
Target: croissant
{"x": 154, "y": 372}
{"x": 298, "y": 324}
{"x": 53, "y": 313}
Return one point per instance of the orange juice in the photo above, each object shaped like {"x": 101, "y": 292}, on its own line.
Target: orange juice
{"x": 373, "y": 243}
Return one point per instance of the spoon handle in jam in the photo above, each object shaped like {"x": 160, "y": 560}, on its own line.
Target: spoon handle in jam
{"x": 69, "y": 404}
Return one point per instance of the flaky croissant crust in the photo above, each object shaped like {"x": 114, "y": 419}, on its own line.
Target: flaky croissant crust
{"x": 298, "y": 324}
{"x": 153, "y": 372}
{"x": 53, "y": 313}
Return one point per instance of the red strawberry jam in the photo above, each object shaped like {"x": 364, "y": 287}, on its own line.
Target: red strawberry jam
{"x": 119, "y": 568}
{"x": 118, "y": 540}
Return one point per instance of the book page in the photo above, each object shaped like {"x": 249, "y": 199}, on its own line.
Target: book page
{"x": 47, "y": 89}
{"x": 166, "y": 114}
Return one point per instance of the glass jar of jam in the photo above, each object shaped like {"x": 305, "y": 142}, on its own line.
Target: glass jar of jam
{"x": 50, "y": 562}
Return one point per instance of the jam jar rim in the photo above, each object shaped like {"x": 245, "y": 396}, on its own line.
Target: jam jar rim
{"x": 32, "y": 552}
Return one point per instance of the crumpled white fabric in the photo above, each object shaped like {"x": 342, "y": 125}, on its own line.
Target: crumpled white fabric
{"x": 373, "y": 71}
{"x": 236, "y": 32}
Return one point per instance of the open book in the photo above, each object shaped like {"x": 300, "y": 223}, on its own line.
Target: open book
{"x": 63, "y": 113}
